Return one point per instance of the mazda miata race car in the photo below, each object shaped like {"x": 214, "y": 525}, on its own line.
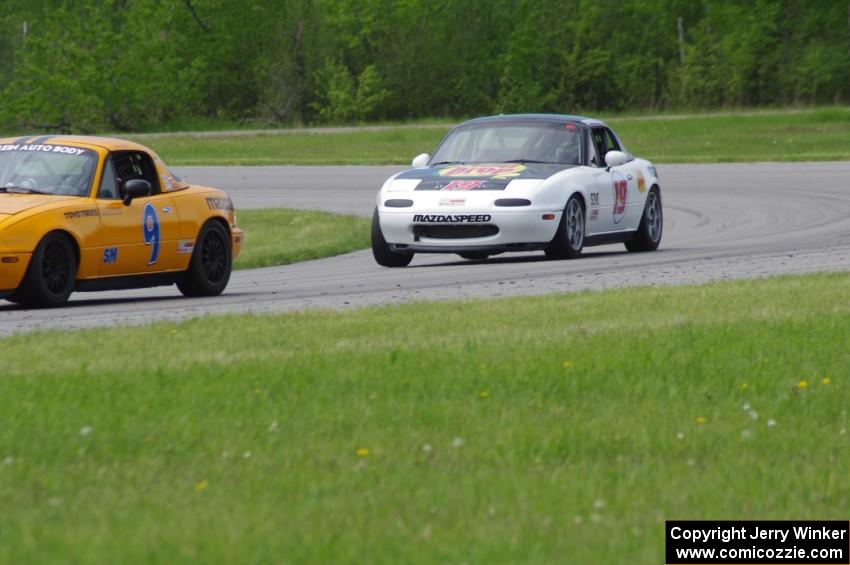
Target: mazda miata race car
{"x": 524, "y": 182}
{"x": 90, "y": 213}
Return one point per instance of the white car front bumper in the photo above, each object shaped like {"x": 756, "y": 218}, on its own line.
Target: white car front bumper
{"x": 452, "y": 230}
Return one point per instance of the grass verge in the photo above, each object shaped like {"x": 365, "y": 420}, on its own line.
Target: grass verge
{"x": 821, "y": 134}
{"x": 553, "y": 429}
{"x": 815, "y": 135}
{"x": 281, "y": 236}
{"x": 346, "y": 148}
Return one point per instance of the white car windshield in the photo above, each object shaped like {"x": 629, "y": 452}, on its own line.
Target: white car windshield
{"x": 46, "y": 169}
{"x": 506, "y": 142}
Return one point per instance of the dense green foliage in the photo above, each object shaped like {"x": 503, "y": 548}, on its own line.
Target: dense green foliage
{"x": 123, "y": 65}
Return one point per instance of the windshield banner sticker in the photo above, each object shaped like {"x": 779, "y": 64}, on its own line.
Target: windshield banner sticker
{"x": 45, "y": 149}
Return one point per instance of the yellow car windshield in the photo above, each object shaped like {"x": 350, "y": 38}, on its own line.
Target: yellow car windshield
{"x": 46, "y": 169}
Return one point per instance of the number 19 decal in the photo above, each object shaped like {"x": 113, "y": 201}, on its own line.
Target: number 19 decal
{"x": 150, "y": 229}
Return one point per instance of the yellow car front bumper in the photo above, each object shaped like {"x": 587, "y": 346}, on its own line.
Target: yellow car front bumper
{"x": 13, "y": 266}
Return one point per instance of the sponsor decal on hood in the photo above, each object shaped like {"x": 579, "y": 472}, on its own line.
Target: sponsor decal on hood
{"x": 506, "y": 171}
{"x": 479, "y": 176}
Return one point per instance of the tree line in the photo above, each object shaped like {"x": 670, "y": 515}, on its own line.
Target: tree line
{"x": 121, "y": 65}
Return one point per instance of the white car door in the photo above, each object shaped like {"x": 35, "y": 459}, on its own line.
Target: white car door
{"x": 621, "y": 203}
{"x": 600, "y": 201}
{"x": 636, "y": 197}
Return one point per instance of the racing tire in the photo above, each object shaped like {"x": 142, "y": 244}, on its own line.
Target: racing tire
{"x": 479, "y": 256}
{"x": 384, "y": 256}
{"x": 51, "y": 274}
{"x": 569, "y": 239}
{"x": 211, "y": 263}
{"x": 648, "y": 234}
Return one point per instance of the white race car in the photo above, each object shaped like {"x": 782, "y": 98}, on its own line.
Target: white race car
{"x": 519, "y": 183}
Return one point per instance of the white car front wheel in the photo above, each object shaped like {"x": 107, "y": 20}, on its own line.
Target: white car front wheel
{"x": 381, "y": 250}
{"x": 569, "y": 239}
{"x": 648, "y": 234}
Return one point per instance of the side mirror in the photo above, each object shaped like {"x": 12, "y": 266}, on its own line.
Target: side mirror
{"x": 615, "y": 158}
{"x": 134, "y": 188}
{"x": 420, "y": 161}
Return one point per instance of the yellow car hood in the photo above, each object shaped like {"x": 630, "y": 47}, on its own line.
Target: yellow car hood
{"x": 11, "y": 203}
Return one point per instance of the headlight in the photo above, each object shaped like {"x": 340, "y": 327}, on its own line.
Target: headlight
{"x": 403, "y": 184}
{"x": 523, "y": 185}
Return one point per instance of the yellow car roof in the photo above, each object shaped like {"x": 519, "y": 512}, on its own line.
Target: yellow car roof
{"x": 108, "y": 143}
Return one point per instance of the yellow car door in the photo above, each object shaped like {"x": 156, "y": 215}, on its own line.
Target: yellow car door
{"x": 140, "y": 236}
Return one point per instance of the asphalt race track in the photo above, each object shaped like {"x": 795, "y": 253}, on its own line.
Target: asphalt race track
{"x": 721, "y": 222}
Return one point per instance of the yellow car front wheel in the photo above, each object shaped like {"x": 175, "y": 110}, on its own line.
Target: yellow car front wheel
{"x": 212, "y": 259}
{"x": 50, "y": 276}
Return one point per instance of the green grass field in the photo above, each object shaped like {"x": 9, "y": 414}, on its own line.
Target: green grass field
{"x": 808, "y": 135}
{"x": 281, "y": 236}
{"x": 350, "y": 148}
{"x": 814, "y": 135}
{"x": 556, "y": 429}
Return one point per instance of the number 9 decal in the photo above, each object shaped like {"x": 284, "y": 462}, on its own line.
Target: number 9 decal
{"x": 150, "y": 229}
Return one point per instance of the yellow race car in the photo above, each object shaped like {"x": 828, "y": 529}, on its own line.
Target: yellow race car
{"x": 92, "y": 213}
